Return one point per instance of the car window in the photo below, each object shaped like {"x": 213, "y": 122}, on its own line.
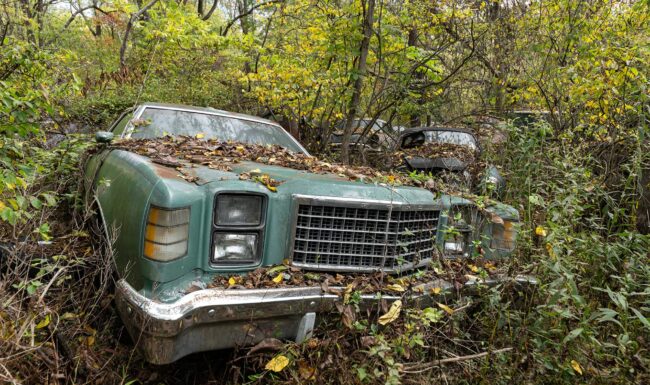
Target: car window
{"x": 452, "y": 137}
{"x": 413, "y": 140}
{"x": 158, "y": 122}
{"x": 118, "y": 128}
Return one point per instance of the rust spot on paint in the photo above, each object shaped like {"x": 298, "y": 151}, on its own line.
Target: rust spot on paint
{"x": 166, "y": 172}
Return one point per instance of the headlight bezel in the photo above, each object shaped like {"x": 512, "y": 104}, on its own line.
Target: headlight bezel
{"x": 462, "y": 229}
{"x": 221, "y": 229}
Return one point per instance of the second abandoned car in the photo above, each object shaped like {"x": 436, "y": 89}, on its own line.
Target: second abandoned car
{"x": 455, "y": 151}
{"x": 173, "y": 234}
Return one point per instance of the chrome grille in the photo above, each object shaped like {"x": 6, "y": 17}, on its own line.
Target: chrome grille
{"x": 344, "y": 238}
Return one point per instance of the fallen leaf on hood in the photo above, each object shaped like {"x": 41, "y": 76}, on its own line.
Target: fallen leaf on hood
{"x": 392, "y": 313}
{"x": 494, "y": 218}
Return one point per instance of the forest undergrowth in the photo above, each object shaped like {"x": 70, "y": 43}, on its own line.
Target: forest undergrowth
{"x": 579, "y": 177}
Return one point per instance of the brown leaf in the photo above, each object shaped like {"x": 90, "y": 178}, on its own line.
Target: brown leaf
{"x": 307, "y": 372}
{"x": 267, "y": 344}
{"x": 368, "y": 341}
{"x": 348, "y": 315}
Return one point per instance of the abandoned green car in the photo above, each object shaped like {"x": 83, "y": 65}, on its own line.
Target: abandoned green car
{"x": 172, "y": 235}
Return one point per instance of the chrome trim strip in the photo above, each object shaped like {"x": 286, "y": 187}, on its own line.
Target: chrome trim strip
{"x": 362, "y": 203}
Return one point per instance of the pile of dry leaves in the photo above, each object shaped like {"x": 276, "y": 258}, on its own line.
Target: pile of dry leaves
{"x": 285, "y": 275}
{"x": 467, "y": 155}
{"x": 182, "y": 151}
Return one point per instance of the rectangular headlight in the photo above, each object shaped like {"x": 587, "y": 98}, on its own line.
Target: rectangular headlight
{"x": 166, "y": 233}
{"x": 238, "y": 210}
{"x": 234, "y": 248}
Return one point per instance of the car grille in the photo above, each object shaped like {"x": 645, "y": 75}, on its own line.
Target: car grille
{"x": 342, "y": 238}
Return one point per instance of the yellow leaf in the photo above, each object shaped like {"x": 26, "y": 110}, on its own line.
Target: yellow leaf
{"x": 539, "y": 230}
{"x": 11, "y": 186}
{"x": 200, "y": 135}
{"x": 89, "y": 330}
{"x": 277, "y": 363}
{"x": 436, "y": 290}
{"x": 473, "y": 268}
{"x": 576, "y": 366}
{"x": 346, "y": 293}
{"x": 90, "y": 340}
{"x": 395, "y": 287}
{"x": 2, "y": 205}
{"x": 278, "y": 278}
{"x": 551, "y": 251}
{"x": 391, "y": 179}
{"x": 271, "y": 188}
{"x": 392, "y": 313}
{"x": 44, "y": 322}
{"x": 232, "y": 281}
{"x": 446, "y": 308}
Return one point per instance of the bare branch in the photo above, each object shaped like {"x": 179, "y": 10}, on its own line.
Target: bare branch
{"x": 82, "y": 10}
{"x": 134, "y": 17}
{"x": 248, "y": 12}
{"x": 211, "y": 11}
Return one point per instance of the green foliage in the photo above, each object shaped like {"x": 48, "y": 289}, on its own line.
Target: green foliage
{"x": 593, "y": 265}
{"x": 35, "y": 180}
{"x": 579, "y": 178}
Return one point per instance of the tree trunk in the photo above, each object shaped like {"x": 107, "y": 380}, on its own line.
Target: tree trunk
{"x": 414, "y": 119}
{"x": 643, "y": 212}
{"x": 360, "y": 73}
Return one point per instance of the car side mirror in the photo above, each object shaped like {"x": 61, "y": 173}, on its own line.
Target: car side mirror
{"x": 103, "y": 137}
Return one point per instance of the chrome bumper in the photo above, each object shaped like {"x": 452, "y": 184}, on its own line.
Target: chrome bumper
{"x": 213, "y": 319}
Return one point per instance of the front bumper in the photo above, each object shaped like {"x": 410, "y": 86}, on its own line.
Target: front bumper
{"x": 213, "y": 319}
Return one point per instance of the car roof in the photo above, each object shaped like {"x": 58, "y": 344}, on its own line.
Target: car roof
{"x": 208, "y": 110}
{"x": 412, "y": 130}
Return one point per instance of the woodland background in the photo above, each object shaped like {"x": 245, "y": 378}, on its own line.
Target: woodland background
{"x": 580, "y": 180}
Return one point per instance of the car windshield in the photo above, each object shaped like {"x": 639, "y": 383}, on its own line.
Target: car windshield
{"x": 158, "y": 122}
{"x": 452, "y": 137}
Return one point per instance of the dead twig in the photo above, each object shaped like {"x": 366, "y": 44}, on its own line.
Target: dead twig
{"x": 430, "y": 365}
